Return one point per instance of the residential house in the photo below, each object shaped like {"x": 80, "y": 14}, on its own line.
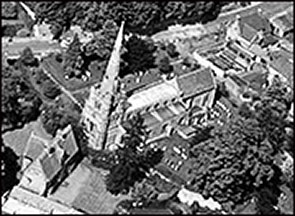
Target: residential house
{"x": 282, "y": 65}
{"x": 283, "y": 22}
{"x": 45, "y": 165}
{"x": 23, "y": 201}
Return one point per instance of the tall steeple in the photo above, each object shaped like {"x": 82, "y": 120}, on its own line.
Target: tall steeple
{"x": 95, "y": 115}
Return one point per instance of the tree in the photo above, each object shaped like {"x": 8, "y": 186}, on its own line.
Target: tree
{"x": 235, "y": 163}
{"x": 171, "y": 50}
{"x": 139, "y": 55}
{"x": 9, "y": 168}
{"x": 59, "y": 115}
{"x": 8, "y": 10}
{"x": 132, "y": 164}
{"x": 51, "y": 90}
{"x": 27, "y": 58}
{"x": 20, "y": 102}
{"x": 73, "y": 57}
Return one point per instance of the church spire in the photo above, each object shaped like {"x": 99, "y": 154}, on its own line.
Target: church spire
{"x": 96, "y": 112}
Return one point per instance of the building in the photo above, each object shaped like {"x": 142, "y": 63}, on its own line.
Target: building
{"x": 95, "y": 115}
{"x": 283, "y": 22}
{"x": 44, "y": 165}
{"x": 165, "y": 103}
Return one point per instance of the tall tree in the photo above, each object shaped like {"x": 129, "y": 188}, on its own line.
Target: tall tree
{"x": 132, "y": 164}
{"x": 237, "y": 162}
{"x": 73, "y": 57}
{"x": 139, "y": 55}
{"x": 9, "y": 168}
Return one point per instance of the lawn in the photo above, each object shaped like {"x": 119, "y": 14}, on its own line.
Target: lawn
{"x": 73, "y": 84}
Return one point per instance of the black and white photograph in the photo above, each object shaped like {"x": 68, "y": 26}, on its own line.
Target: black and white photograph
{"x": 147, "y": 107}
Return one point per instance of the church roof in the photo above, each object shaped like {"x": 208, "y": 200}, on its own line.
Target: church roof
{"x": 196, "y": 82}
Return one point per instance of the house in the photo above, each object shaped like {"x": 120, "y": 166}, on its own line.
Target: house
{"x": 253, "y": 29}
{"x": 283, "y": 22}
{"x": 282, "y": 66}
{"x": 45, "y": 165}
{"x": 22, "y": 201}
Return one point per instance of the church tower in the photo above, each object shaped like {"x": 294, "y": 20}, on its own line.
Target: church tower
{"x": 96, "y": 112}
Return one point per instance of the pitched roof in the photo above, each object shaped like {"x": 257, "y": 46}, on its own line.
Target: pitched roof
{"x": 133, "y": 82}
{"x": 50, "y": 165}
{"x": 251, "y": 24}
{"x": 284, "y": 66}
{"x": 70, "y": 144}
{"x": 196, "y": 82}
{"x": 34, "y": 148}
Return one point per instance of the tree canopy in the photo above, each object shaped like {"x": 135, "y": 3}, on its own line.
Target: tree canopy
{"x": 20, "y": 102}
{"x": 132, "y": 164}
{"x": 235, "y": 163}
{"x": 59, "y": 115}
{"x": 144, "y": 18}
{"x": 9, "y": 168}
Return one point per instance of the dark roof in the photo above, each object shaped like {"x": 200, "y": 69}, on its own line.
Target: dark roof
{"x": 196, "y": 82}
{"x": 269, "y": 39}
{"x": 256, "y": 80}
{"x": 133, "y": 82}
{"x": 50, "y": 165}
{"x": 251, "y": 24}
{"x": 290, "y": 37}
{"x": 34, "y": 148}
{"x": 70, "y": 144}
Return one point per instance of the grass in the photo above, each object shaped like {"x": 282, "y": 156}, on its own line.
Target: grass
{"x": 73, "y": 84}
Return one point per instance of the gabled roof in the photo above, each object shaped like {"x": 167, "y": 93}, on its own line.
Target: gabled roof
{"x": 253, "y": 23}
{"x": 133, "y": 82}
{"x": 70, "y": 144}
{"x": 34, "y": 148}
{"x": 284, "y": 66}
{"x": 196, "y": 82}
{"x": 284, "y": 20}
{"x": 50, "y": 165}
